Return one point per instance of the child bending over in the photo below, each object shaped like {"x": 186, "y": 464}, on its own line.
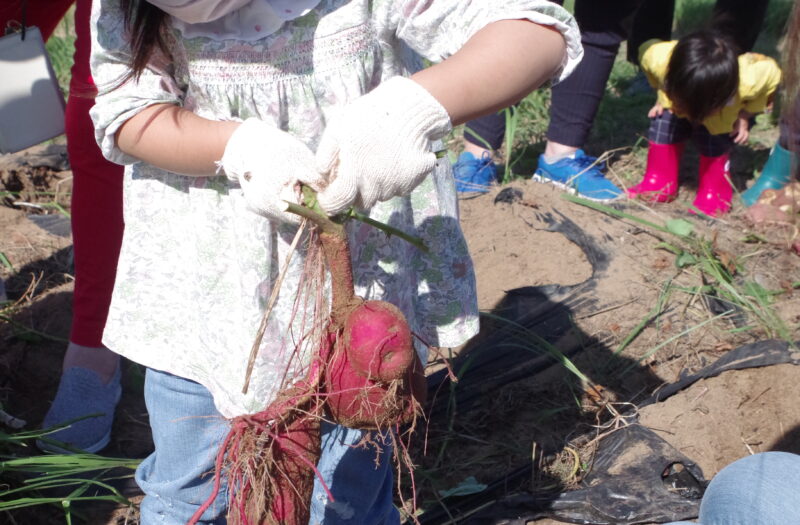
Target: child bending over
{"x": 220, "y": 109}
{"x": 708, "y": 93}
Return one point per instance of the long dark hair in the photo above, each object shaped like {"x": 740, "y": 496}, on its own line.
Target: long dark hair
{"x": 703, "y": 73}
{"x": 146, "y": 25}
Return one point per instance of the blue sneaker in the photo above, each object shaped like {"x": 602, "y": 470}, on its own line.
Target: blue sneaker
{"x": 578, "y": 176}
{"x": 474, "y": 175}
{"x": 81, "y": 392}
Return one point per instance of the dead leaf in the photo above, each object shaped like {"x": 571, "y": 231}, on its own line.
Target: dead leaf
{"x": 723, "y": 347}
{"x": 727, "y": 260}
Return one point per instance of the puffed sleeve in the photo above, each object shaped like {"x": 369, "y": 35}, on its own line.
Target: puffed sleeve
{"x": 759, "y": 78}
{"x": 654, "y": 58}
{"x": 436, "y": 29}
{"x": 117, "y": 101}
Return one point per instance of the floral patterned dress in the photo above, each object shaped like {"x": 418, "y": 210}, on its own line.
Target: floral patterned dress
{"x": 197, "y": 267}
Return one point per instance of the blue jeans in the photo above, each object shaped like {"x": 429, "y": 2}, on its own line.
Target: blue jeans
{"x": 177, "y": 477}
{"x": 762, "y": 489}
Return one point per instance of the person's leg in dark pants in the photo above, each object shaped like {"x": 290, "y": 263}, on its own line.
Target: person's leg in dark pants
{"x": 475, "y": 170}
{"x": 575, "y": 101}
{"x": 486, "y": 132}
{"x": 653, "y": 19}
{"x": 741, "y": 19}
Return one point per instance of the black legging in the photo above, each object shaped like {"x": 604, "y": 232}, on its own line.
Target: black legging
{"x": 604, "y": 25}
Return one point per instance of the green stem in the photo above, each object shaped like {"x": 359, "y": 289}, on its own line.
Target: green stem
{"x": 322, "y": 221}
{"x": 29, "y": 330}
{"x": 613, "y": 212}
{"x": 312, "y": 211}
{"x": 388, "y": 230}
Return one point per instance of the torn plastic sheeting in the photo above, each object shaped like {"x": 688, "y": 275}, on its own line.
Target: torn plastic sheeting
{"x": 58, "y": 225}
{"x": 752, "y": 355}
{"x": 620, "y": 480}
{"x": 627, "y": 485}
{"x": 598, "y": 257}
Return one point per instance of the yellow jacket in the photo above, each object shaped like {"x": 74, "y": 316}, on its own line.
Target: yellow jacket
{"x": 759, "y": 76}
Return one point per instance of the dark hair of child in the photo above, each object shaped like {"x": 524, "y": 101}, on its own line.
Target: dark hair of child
{"x": 703, "y": 74}
{"x": 146, "y": 25}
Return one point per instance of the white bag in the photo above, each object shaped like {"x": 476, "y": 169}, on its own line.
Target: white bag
{"x": 31, "y": 102}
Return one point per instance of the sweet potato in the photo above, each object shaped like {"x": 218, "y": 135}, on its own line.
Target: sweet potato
{"x": 378, "y": 341}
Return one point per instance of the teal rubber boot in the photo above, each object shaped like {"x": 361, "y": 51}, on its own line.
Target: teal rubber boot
{"x": 776, "y": 174}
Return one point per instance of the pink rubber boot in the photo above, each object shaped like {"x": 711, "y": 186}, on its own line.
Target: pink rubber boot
{"x": 714, "y": 190}
{"x": 660, "y": 180}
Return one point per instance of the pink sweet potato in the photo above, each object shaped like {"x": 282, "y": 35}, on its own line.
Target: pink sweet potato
{"x": 378, "y": 341}
{"x": 364, "y": 374}
{"x": 370, "y": 369}
{"x": 356, "y": 401}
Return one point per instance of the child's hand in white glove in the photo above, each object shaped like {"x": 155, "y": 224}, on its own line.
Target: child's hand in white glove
{"x": 379, "y": 146}
{"x": 270, "y": 165}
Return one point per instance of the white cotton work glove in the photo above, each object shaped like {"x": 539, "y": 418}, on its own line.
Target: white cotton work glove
{"x": 379, "y": 145}
{"x": 270, "y": 166}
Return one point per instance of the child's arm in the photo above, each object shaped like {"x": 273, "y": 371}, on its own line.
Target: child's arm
{"x": 175, "y": 139}
{"x": 142, "y": 119}
{"x": 523, "y": 54}
{"x": 514, "y": 57}
{"x": 656, "y": 111}
{"x": 759, "y": 77}
{"x": 741, "y": 127}
{"x": 653, "y": 59}
{"x": 378, "y": 147}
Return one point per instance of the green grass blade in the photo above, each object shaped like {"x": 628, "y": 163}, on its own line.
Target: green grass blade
{"x": 5, "y": 262}
{"x": 554, "y": 352}
{"x": 651, "y": 316}
{"x": 21, "y": 503}
{"x": 53, "y": 465}
{"x": 61, "y": 210}
{"x": 608, "y": 210}
{"x": 668, "y": 341}
{"x": 28, "y": 331}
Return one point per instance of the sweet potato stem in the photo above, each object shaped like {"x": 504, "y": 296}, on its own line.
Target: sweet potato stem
{"x": 314, "y": 213}
{"x": 388, "y": 230}
{"x": 333, "y": 238}
{"x": 337, "y": 253}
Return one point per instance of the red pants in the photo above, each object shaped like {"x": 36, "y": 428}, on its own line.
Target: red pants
{"x": 96, "y": 224}
{"x": 96, "y": 200}
{"x": 97, "y": 184}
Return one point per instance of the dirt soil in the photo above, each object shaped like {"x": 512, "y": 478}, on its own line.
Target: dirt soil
{"x": 524, "y": 238}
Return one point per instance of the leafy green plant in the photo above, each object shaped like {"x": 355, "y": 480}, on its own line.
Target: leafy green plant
{"x": 28, "y": 480}
{"x": 718, "y": 271}
{"x": 61, "y": 47}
